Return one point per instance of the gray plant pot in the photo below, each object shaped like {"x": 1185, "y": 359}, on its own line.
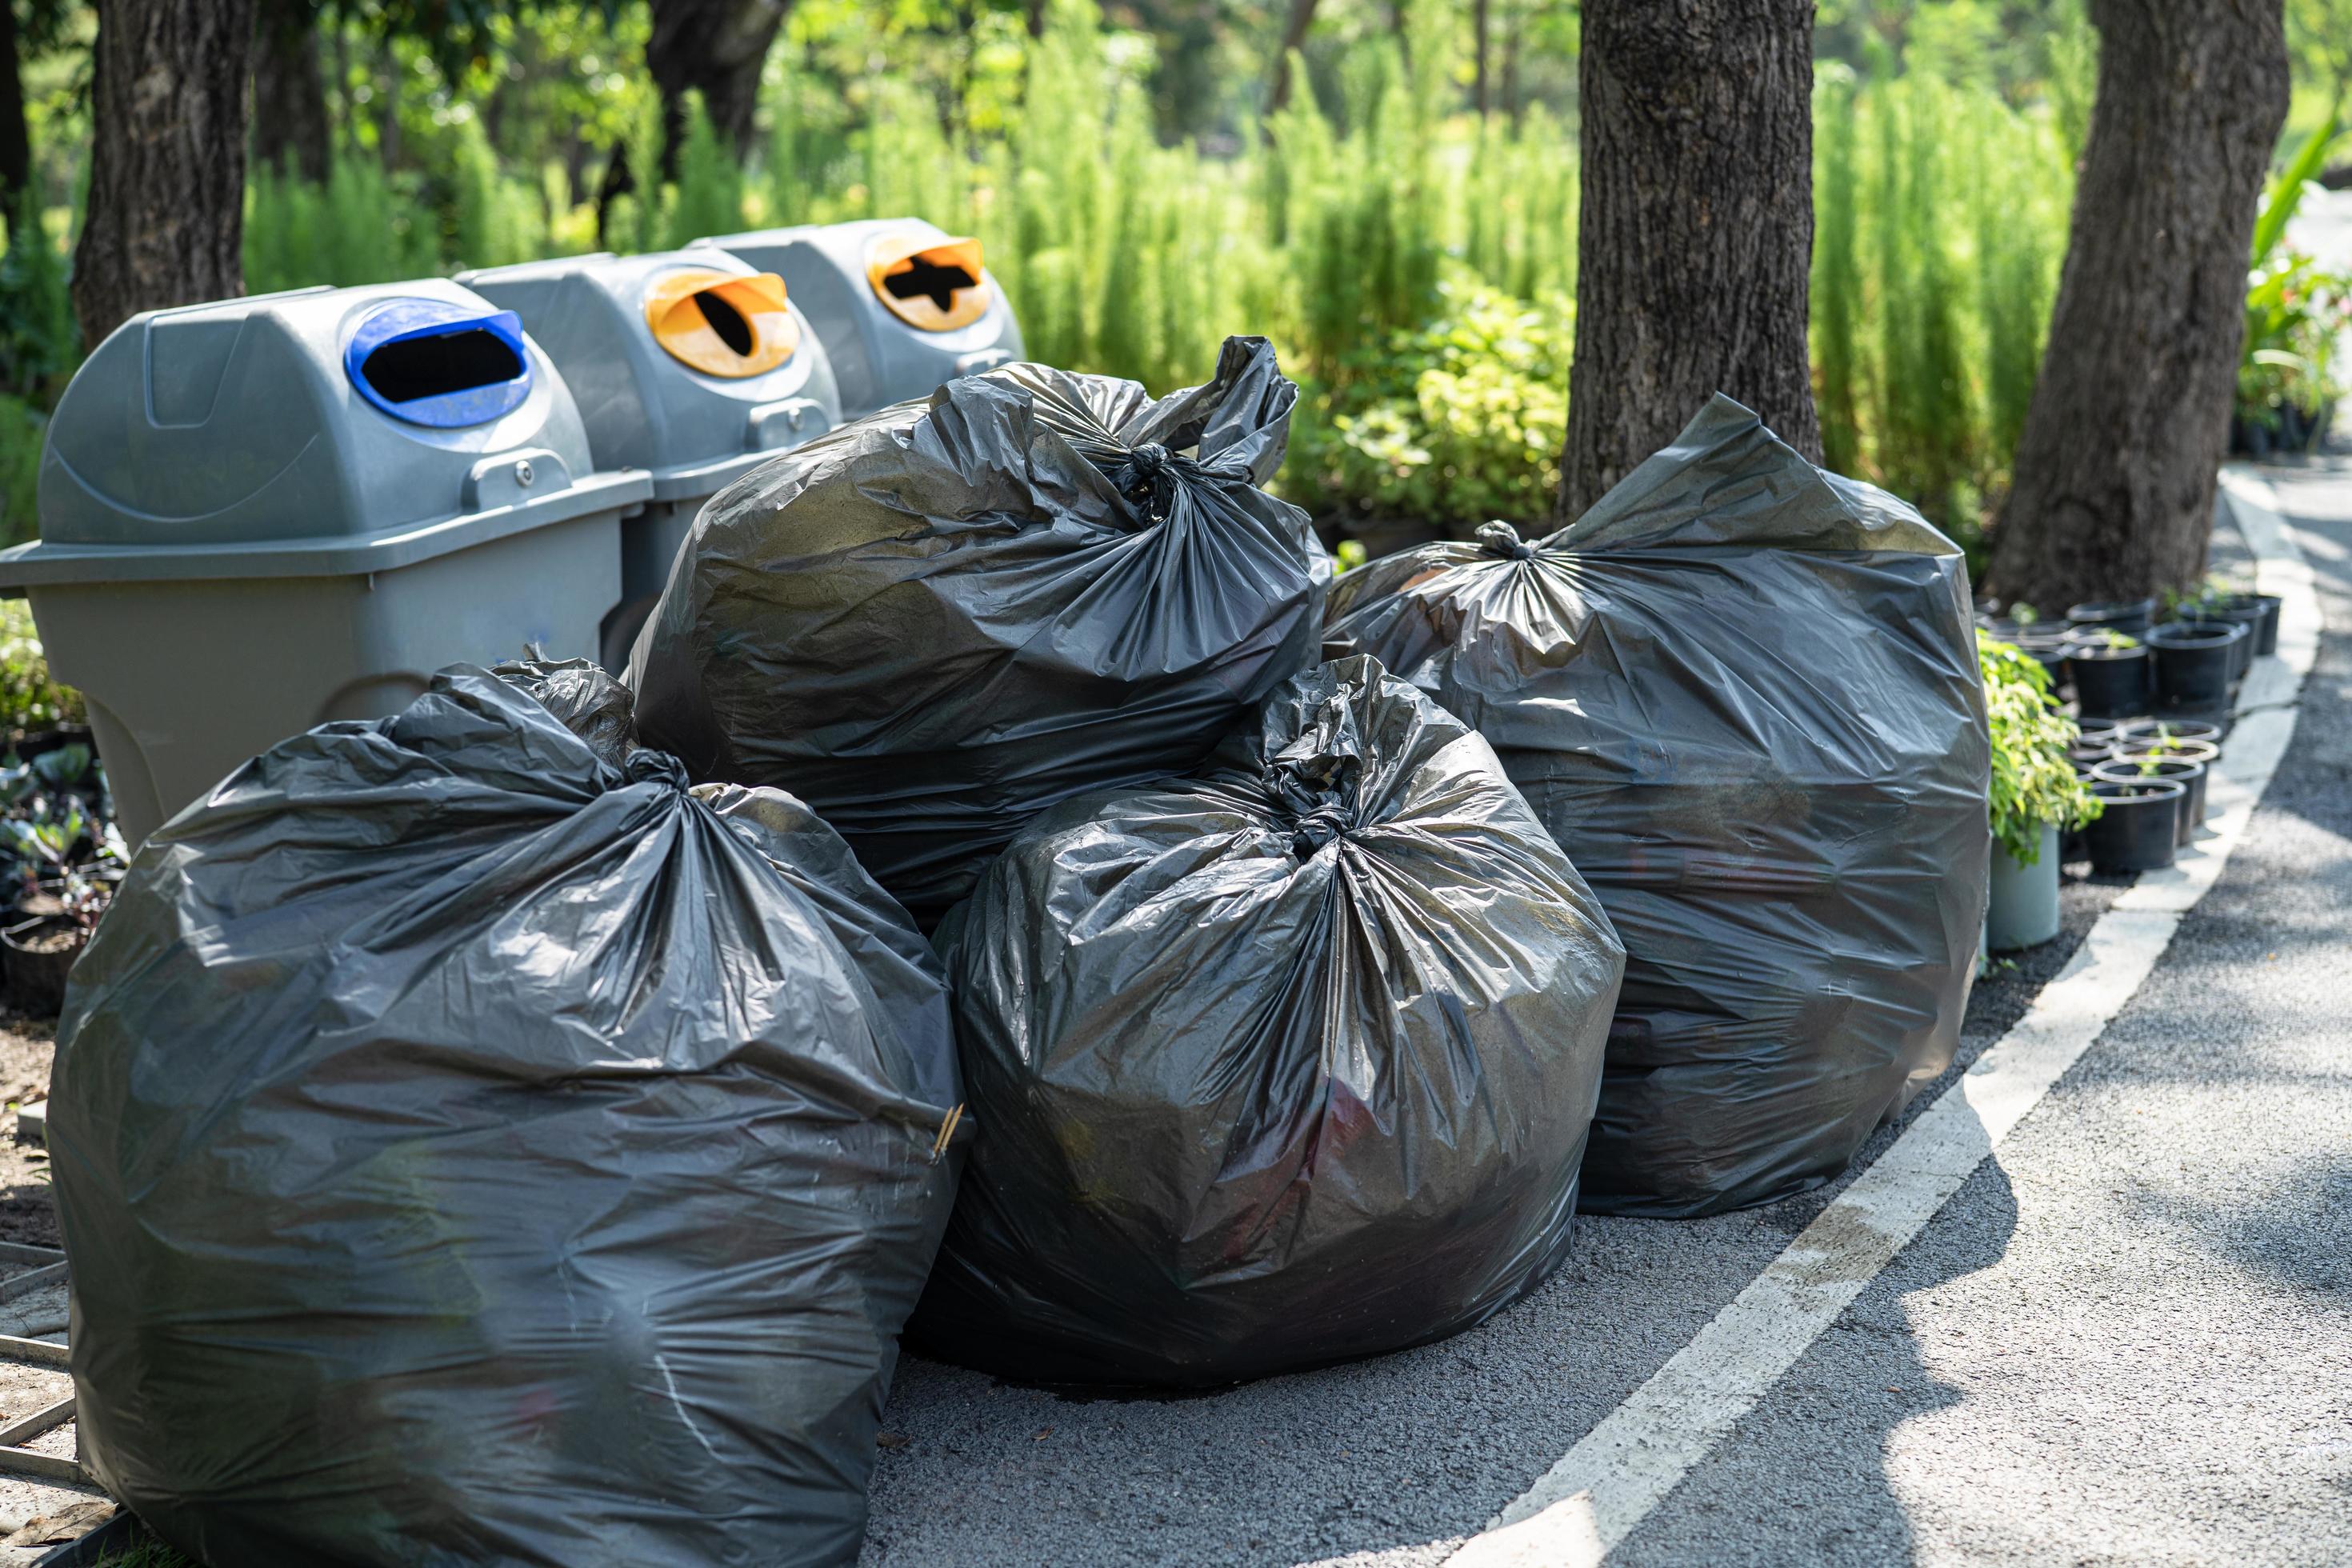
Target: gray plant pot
{"x": 2024, "y": 907}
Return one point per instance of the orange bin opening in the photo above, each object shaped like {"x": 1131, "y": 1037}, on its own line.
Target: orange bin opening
{"x": 722, "y": 323}
{"x": 933, "y": 286}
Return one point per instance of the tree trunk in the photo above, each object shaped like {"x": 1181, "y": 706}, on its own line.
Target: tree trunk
{"x": 715, "y": 47}
{"x": 2115, "y": 472}
{"x": 1294, "y": 38}
{"x": 167, "y": 159}
{"x": 15, "y": 141}
{"x": 1695, "y": 241}
{"x": 1037, "y": 18}
{"x": 1478, "y": 95}
{"x": 289, "y": 96}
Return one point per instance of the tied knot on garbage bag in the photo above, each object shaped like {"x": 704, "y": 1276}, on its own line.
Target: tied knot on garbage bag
{"x": 1149, "y": 474}
{"x": 1499, "y": 538}
{"x": 1317, "y": 779}
{"x": 648, "y": 766}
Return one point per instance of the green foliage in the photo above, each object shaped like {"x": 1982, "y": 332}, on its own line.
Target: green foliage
{"x": 2033, "y": 783}
{"x": 710, "y": 199}
{"x": 2296, "y": 313}
{"x": 1941, "y": 220}
{"x": 23, "y": 427}
{"x": 1454, "y": 423}
{"x": 40, "y": 344}
{"x": 29, "y": 699}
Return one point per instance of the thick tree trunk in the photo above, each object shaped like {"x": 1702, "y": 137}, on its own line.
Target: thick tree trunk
{"x": 715, "y": 47}
{"x": 289, "y": 96}
{"x": 2115, "y": 471}
{"x": 1294, "y": 38}
{"x": 167, "y": 159}
{"x": 1696, "y": 236}
{"x": 15, "y": 141}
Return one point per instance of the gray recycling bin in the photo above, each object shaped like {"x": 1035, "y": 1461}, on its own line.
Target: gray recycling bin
{"x": 903, "y": 307}
{"x": 689, "y": 364}
{"x": 263, "y": 514}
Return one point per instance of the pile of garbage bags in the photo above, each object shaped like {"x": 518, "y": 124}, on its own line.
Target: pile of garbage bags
{"x": 1744, "y": 696}
{"x": 474, "y": 1144}
{"x": 521, "y": 1129}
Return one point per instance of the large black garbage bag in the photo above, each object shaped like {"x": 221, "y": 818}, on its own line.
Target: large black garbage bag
{"x": 938, "y": 621}
{"x": 471, "y": 1148}
{"x": 1283, "y": 1062}
{"x": 1743, "y": 694}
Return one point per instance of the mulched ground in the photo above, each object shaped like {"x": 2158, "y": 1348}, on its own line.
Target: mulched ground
{"x": 26, "y": 1214}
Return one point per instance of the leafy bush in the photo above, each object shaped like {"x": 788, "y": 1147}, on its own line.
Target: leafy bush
{"x": 2033, "y": 782}
{"x": 1455, "y": 424}
{"x": 29, "y": 699}
{"x": 2296, "y": 311}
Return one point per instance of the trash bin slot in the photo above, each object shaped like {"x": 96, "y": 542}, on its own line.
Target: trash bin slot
{"x": 409, "y": 368}
{"x": 933, "y": 286}
{"x": 722, "y": 323}
{"x": 436, "y": 364}
{"x": 725, "y": 319}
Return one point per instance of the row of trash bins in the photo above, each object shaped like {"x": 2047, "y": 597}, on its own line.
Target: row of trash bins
{"x": 265, "y": 513}
{"x": 1019, "y": 897}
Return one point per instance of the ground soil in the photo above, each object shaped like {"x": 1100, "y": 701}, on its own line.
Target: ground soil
{"x": 26, "y": 1214}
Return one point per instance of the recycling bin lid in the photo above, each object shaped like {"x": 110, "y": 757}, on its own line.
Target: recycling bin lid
{"x": 692, "y": 364}
{"x": 934, "y": 284}
{"x": 317, "y": 432}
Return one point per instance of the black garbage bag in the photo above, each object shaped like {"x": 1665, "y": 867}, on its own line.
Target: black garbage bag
{"x": 1743, "y": 694}
{"x": 469, "y": 1150}
{"x": 936, "y": 621}
{"x": 1282, "y": 1062}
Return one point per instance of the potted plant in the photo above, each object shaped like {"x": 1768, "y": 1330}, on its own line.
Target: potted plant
{"x": 2172, "y": 756}
{"x": 2035, "y": 793}
{"x": 2109, "y": 670}
{"x": 2194, "y": 663}
{"x": 64, "y": 856}
{"x": 2212, "y": 602}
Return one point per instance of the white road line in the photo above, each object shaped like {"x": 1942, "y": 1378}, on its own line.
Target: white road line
{"x": 1591, "y": 1501}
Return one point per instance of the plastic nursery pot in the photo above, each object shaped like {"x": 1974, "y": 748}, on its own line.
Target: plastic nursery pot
{"x": 2139, "y": 732}
{"x": 2203, "y": 753}
{"x": 2109, "y": 682}
{"x": 2266, "y": 628}
{"x": 2188, "y": 775}
{"x": 2242, "y": 654}
{"x": 2023, "y": 908}
{"x": 2194, "y": 663}
{"x": 40, "y": 953}
{"x": 2139, "y": 826}
{"x": 2130, "y": 617}
{"x": 2086, "y": 755}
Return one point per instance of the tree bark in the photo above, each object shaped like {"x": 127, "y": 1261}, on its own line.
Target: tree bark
{"x": 1478, "y": 95}
{"x": 1294, "y": 38}
{"x": 2115, "y": 471}
{"x": 168, "y": 101}
{"x": 16, "y": 140}
{"x": 1695, "y": 240}
{"x": 289, "y": 95}
{"x": 715, "y": 47}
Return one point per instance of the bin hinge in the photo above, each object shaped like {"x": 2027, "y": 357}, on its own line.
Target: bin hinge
{"x": 514, "y": 476}
{"x": 775, "y": 426}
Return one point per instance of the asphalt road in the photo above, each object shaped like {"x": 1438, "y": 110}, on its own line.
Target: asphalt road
{"x": 2128, "y": 1337}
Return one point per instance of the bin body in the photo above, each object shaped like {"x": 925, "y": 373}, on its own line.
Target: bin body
{"x": 263, "y": 514}
{"x": 885, "y": 349}
{"x": 638, "y": 340}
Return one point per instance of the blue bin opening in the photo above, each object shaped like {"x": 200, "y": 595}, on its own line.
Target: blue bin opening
{"x": 444, "y": 365}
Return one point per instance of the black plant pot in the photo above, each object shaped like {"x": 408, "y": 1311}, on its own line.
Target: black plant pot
{"x": 2188, "y": 775}
{"x": 2130, "y": 617}
{"x": 2142, "y": 731}
{"x": 2086, "y": 755}
{"x": 2109, "y": 682}
{"x": 2266, "y": 605}
{"x": 2242, "y": 655}
{"x": 40, "y": 953}
{"x": 2194, "y": 663}
{"x": 2137, "y": 827}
